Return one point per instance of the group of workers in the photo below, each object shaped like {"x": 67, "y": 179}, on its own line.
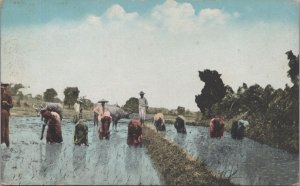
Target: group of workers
{"x": 54, "y": 133}
{"x": 53, "y": 119}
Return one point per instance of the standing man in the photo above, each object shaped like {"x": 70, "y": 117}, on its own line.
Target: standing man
{"x": 6, "y": 105}
{"x": 78, "y": 110}
{"x": 143, "y": 105}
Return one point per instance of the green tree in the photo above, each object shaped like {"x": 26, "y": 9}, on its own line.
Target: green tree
{"x": 15, "y": 88}
{"x": 20, "y": 95}
{"x": 228, "y": 105}
{"x": 242, "y": 89}
{"x": 38, "y": 97}
{"x": 71, "y": 95}
{"x": 86, "y": 103}
{"x": 132, "y": 105}
{"x": 293, "y": 72}
{"x": 212, "y": 92}
{"x": 57, "y": 100}
{"x": 268, "y": 96}
{"x": 28, "y": 96}
{"x": 180, "y": 110}
{"x": 49, "y": 95}
{"x": 253, "y": 98}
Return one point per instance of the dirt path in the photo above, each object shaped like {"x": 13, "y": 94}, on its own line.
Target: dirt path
{"x": 175, "y": 165}
{"x": 31, "y": 161}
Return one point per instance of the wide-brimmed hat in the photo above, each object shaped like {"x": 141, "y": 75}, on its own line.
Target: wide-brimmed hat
{"x": 103, "y": 101}
{"x": 142, "y": 93}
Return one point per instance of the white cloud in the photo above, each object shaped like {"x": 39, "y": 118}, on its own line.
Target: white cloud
{"x": 120, "y": 53}
{"x": 174, "y": 16}
{"x": 94, "y": 19}
{"x": 177, "y": 17}
{"x": 215, "y": 16}
{"x": 118, "y": 12}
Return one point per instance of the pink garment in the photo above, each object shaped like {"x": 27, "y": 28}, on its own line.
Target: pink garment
{"x": 213, "y": 130}
{"x": 101, "y": 115}
{"x": 54, "y": 134}
{"x": 98, "y": 109}
{"x": 55, "y": 115}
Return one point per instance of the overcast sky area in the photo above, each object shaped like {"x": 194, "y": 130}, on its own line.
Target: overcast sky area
{"x": 114, "y": 49}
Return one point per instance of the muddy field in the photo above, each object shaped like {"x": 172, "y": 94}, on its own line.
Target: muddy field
{"x": 31, "y": 161}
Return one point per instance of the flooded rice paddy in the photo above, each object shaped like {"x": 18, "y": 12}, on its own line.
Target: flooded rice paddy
{"x": 246, "y": 161}
{"x": 30, "y": 160}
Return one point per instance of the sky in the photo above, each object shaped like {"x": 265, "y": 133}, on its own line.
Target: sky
{"x": 114, "y": 49}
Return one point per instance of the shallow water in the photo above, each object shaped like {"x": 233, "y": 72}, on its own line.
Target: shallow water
{"x": 30, "y": 160}
{"x": 249, "y": 162}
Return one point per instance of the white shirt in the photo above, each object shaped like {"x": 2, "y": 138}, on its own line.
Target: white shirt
{"x": 143, "y": 102}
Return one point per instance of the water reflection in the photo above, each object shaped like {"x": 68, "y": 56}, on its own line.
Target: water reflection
{"x": 50, "y": 160}
{"x": 103, "y": 162}
{"x": 132, "y": 160}
{"x": 246, "y": 161}
{"x": 5, "y": 157}
{"x": 180, "y": 138}
{"x": 79, "y": 159}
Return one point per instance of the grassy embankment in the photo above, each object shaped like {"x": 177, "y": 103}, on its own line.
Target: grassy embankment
{"x": 175, "y": 165}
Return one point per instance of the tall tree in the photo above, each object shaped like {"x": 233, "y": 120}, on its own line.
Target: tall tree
{"x": 212, "y": 92}
{"x": 15, "y": 88}
{"x": 253, "y": 98}
{"x": 20, "y": 95}
{"x": 132, "y": 105}
{"x": 86, "y": 103}
{"x": 71, "y": 95}
{"x": 268, "y": 96}
{"x": 50, "y": 94}
{"x": 293, "y": 72}
{"x": 180, "y": 110}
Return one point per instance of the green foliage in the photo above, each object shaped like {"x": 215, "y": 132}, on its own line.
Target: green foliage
{"x": 154, "y": 110}
{"x": 20, "y": 95}
{"x": 213, "y": 91}
{"x": 87, "y": 103}
{"x": 49, "y": 95}
{"x": 132, "y": 105}
{"x": 57, "y": 100}
{"x": 253, "y": 98}
{"x": 15, "y": 89}
{"x": 71, "y": 96}
{"x": 180, "y": 110}
{"x": 172, "y": 112}
{"x": 273, "y": 114}
{"x": 18, "y": 104}
{"x": 293, "y": 72}
{"x": 28, "y": 96}
{"x": 38, "y": 97}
